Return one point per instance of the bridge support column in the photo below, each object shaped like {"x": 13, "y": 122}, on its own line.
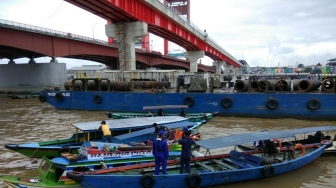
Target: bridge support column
{"x": 229, "y": 69}
{"x": 126, "y": 34}
{"x": 53, "y": 60}
{"x": 32, "y": 60}
{"x": 11, "y": 61}
{"x": 193, "y": 57}
{"x": 219, "y": 66}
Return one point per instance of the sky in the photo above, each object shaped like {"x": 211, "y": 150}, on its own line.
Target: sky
{"x": 266, "y": 33}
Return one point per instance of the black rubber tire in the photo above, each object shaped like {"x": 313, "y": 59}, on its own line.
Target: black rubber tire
{"x": 313, "y": 104}
{"x": 147, "y": 181}
{"x": 59, "y": 96}
{"x": 75, "y": 175}
{"x": 97, "y": 99}
{"x": 42, "y": 98}
{"x": 268, "y": 171}
{"x": 272, "y": 104}
{"x": 226, "y": 102}
{"x": 189, "y": 101}
{"x": 190, "y": 180}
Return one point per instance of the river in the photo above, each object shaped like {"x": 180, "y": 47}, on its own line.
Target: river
{"x": 28, "y": 120}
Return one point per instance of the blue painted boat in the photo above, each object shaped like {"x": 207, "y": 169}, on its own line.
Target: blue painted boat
{"x": 306, "y": 105}
{"x": 87, "y": 131}
{"x": 212, "y": 170}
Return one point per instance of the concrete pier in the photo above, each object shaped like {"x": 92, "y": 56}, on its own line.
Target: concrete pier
{"x": 193, "y": 57}
{"x": 126, "y": 34}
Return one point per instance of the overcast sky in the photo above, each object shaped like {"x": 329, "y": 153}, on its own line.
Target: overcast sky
{"x": 262, "y": 32}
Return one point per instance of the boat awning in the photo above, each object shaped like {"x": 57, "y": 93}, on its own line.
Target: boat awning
{"x": 164, "y": 107}
{"x": 129, "y": 123}
{"x": 151, "y": 130}
{"x": 233, "y": 140}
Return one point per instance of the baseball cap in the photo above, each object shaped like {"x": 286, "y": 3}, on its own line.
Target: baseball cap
{"x": 103, "y": 122}
{"x": 185, "y": 128}
{"x": 161, "y": 133}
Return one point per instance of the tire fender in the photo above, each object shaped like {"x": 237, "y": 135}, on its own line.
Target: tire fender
{"x": 189, "y": 101}
{"x": 42, "y": 98}
{"x": 75, "y": 175}
{"x": 272, "y": 104}
{"x": 313, "y": 104}
{"x": 268, "y": 171}
{"x": 59, "y": 96}
{"x": 193, "y": 180}
{"x": 147, "y": 181}
{"x": 97, "y": 99}
{"x": 226, "y": 102}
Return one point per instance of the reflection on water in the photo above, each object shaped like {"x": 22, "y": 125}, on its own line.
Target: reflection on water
{"x": 28, "y": 120}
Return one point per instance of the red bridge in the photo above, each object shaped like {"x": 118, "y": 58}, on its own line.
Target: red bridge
{"x": 19, "y": 40}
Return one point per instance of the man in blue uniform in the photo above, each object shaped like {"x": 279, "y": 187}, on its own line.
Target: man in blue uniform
{"x": 186, "y": 143}
{"x": 160, "y": 152}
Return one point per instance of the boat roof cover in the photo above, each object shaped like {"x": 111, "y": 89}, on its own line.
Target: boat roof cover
{"x": 127, "y": 123}
{"x": 151, "y": 130}
{"x": 164, "y": 107}
{"x": 236, "y": 139}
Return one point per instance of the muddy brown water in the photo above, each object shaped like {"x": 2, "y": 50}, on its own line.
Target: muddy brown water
{"x": 28, "y": 120}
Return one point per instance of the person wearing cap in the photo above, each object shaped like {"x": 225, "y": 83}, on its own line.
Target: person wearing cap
{"x": 158, "y": 128}
{"x": 179, "y": 133}
{"x": 186, "y": 143}
{"x": 107, "y": 135}
{"x": 183, "y": 113}
{"x": 160, "y": 152}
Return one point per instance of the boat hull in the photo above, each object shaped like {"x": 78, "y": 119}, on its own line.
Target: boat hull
{"x": 295, "y": 105}
{"x": 207, "y": 178}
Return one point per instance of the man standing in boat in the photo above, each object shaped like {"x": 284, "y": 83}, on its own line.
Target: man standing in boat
{"x": 158, "y": 128}
{"x": 186, "y": 143}
{"x": 106, "y": 131}
{"x": 160, "y": 152}
{"x": 183, "y": 113}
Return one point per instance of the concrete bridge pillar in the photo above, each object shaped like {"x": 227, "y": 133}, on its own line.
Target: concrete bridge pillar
{"x": 229, "y": 69}
{"x": 126, "y": 34}
{"x": 193, "y": 57}
{"x": 53, "y": 60}
{"x": 219, "y": 67}
{"x": 11, "y": 61}
{"x": 31, "y": 60}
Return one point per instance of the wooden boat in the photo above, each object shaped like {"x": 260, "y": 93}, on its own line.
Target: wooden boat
{"x": 86, "y": 131}
{"x": 330, "y": 151}
{"x": 212, "y": 170}
{"x": 92, "y": 156}
{"x": 194, "y": 117}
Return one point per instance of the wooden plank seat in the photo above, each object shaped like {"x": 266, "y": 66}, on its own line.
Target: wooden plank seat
{"x": 205, "y": 166}
{"x": 243, "y": 160}
{"x": 224, "y": 164}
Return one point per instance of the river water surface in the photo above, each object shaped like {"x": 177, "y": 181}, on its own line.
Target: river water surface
{"x": 28, "y": 120}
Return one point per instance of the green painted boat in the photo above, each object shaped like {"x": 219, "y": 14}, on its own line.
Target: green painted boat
{"x": 93, "y": 156}
{"x": 87, "y": 131}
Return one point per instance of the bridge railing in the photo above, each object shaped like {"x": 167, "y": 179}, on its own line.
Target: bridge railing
{"x": 36, "y": 29}
{"x": 214, "y": 44}
{"x": 32, "y": 28}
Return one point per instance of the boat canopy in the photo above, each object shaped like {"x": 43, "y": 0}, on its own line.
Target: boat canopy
{"x": 129, "y": 123}
{"x": 164, "y": 107}
{"x": 151, "y": 130}
{"x": 244, "y": 138}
